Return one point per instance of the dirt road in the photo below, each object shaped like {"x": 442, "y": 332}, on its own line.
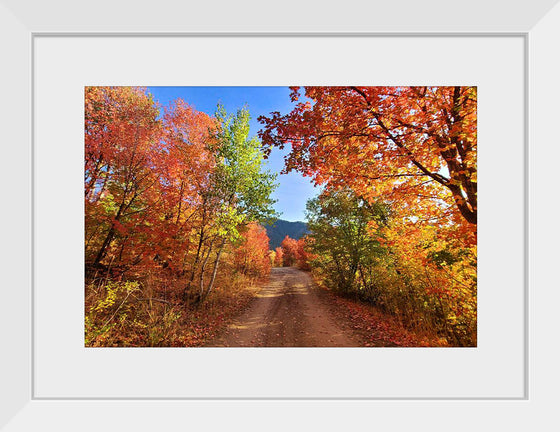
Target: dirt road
{"x": 288, "y": 312}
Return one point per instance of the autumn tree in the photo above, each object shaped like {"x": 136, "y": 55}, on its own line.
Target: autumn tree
{"x": 289, "y": 251}
{"x": 278, "y": 257}
{"x": 415, "y": 146}
{"x": 304, "y": 252}
{"x": 252, "y": 254}
{"x": 240, "y": 188}
{"x": 186, "y": 172}
{"x": 122, "y": 131}
{"x": 146, "y": 178}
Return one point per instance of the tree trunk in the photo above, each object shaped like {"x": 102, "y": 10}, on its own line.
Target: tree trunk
{"x": 188, "y": 286}
{"x": 103, "y": 248}
{"x": 463, "y": 205}
{"x": 201, "y": 285}
{"x": 111, "y": 233}
{"x": 216, "y": 263}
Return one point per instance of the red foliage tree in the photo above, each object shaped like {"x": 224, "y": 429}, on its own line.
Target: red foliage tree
{"x": 145, "y": 176}
{"x": 252, "y": 255}
{"x": 304, "y": 256}
{"x": 279, "y": 257}
{"x": 290, "y": 251}
{"x": 122, "y": 132}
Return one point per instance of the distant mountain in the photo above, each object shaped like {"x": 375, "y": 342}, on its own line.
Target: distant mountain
{"x": 282, "y": 228}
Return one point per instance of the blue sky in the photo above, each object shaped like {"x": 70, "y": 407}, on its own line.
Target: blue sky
{"x": 294, "y": 189}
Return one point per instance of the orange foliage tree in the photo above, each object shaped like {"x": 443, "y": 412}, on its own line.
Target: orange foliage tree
{"x": 278, "y": 257}
{"x": 289, "y": 251}
{"x": 122, "y": 132}
{"x": 304, "y": 253}
{"x": 414, "y": 146}
{"x": 252, "y": 255}
{"x": 295, "y": 252}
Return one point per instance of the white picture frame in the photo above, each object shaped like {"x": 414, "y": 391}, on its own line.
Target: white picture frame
{"x": 20, "y": 23}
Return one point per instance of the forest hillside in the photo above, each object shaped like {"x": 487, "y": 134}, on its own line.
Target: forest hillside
{"x": 281, "y": 228}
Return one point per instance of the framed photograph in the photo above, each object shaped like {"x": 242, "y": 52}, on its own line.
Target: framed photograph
{"x": 66, "y": 68}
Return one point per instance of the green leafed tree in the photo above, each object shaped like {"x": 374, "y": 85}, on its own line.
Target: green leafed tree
{"x": 241, "y": 186}
{"x": 343, "y": 239}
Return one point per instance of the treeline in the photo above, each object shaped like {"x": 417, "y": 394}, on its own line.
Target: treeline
{"x": 396, "y": 222}
{"x": 174, "y": 199}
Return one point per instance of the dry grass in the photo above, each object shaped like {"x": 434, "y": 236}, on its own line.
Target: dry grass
{"x": 373, "y": 326}
{"x": 148, "y": 311}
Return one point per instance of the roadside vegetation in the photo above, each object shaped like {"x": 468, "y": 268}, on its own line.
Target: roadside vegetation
{"x": 174, "y": 199}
